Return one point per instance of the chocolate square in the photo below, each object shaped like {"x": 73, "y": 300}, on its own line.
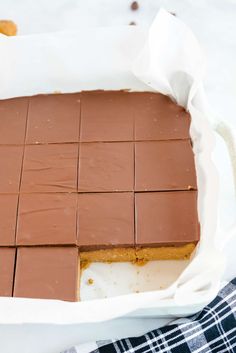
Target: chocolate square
{"x": 166, "y": 218}
{"x": 106, "y": 116}
{"x": 105, "y": 220}
{"x": 157, "y": 117}
{"x": 8, "y": 213}
{"x": 164, "y": 165}
{"x": 10, "y": 168}
{"x": 106, "y": 167}
{"x": 47, "y": 219}
{"x": 7, "y": 264}
{"x": 50, "y": 168}
{"x": 53, "y": 118}
{"x": 13, "y": 116}
{"x": 47, "y": 273}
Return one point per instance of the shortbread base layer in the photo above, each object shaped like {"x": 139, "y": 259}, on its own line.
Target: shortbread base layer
{"x": 109, "y": 255}
{"x": 181, "y": 252}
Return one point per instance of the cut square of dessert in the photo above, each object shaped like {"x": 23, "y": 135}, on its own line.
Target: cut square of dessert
{"x": 50, "y": 168}
{"x": 164, "y": 165}
{"x": 106, "y": 166}
{"x": 106, "y": 116}
{"x": 47, "y": 273}
{"x": 53, "y": 118}
{"x": 7, "y": 263}
{"x": 106, "y": 226}
{"x": 167, "y": 225}
{"x": 8, "y": 214}
{"x": 47, "y": 219}
{"x": 10, "y": 168}
{"x": 157, "y": 117}
{"x": 13, "y": 116}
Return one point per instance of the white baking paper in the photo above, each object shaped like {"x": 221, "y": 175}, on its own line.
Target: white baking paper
{"x": 167, "y": 59}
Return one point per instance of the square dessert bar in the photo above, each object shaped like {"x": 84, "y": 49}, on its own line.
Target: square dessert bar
{"x": 106, "y": 226}
{"x": 106, "y": 167}
{"x": 92, "y": 176}
{"x": 47, "y": 219}
{"x": 50, "y": 168}
{"x": 47, "y": 273}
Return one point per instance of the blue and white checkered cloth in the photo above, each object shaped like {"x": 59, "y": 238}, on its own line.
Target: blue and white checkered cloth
{"x": 211, "y": 330}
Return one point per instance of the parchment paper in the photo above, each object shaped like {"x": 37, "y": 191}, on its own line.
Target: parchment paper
{"x": 168, "y": 59}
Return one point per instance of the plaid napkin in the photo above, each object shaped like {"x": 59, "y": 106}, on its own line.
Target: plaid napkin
{"x": 211, "y": 330}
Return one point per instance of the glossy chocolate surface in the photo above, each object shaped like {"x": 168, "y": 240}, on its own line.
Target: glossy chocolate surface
{"x": 47, "y": 273}
{"x": 7, "y": 263}
{"x": 8, "y": 217}
{"x": 53, "y": 118}
{"x": 10, "y": 168}
{"x": 166, "y": 218}
{"x": 164, "y": 165}
{"x": 47, "y": 219}
{"x": 157, "y": 117}
{"x": 13, "y": 116}
{"x": 106, "y": 116}
{"x": 50, "y": 168}
{"x": 105, "y": 220}
{"x": 106, "y": 167}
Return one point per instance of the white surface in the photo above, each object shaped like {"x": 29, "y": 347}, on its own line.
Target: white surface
{"x": 109, "y": 279}
{"x": 213, "y": 23}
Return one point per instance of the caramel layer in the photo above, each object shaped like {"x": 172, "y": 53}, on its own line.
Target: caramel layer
{"x": 182, "y": 252}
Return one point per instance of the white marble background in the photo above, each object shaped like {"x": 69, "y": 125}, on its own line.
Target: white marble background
{"x": 214, "y": 24}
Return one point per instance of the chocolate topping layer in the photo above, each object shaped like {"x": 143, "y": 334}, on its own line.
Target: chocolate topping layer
{"x": 164, "y": 165}
{"x": 105, "y": 220}
{"x": 50, "y": 168}
{"x": 106, "y": 116}
{"x": 13, "y": 115}
{"x": 157, "y": 117}
{"x": 7, "y": 262}
{"x": 47, "y": 273}
{"x": 10, "y": 168}
{"x": 47, "y": 219}
{"x": 53, "y": 118}
{"x": 106, "y": 167}
{"x": 166, "y": 218}
{"x": 8, "y": 214}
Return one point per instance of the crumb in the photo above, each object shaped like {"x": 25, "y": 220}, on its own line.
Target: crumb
{"x": 173, "y": 13}
{"x": 8, "y": 28}
{"x": 84, "y": 265}
{"x": 190, "y": 187}
{"x": 134, "y": 6}
{"x": 140, "y": 262}
{"x": 90, "y": 281}
{"x": 137, "y": 291}
{"x": 57, "y": 92}
{"x": 132, "y": 23}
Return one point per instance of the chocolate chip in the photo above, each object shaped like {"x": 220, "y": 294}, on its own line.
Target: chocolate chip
{"x": 132, "y": 23}
{"x": 134, "y": 6}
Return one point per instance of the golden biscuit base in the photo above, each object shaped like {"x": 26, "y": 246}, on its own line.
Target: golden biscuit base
{"x": 145, "y": 254}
